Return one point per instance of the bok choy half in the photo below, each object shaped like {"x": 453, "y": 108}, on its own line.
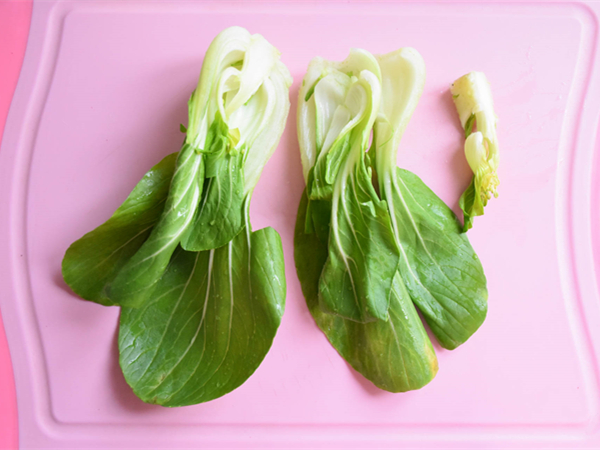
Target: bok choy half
{"x": 373, "y": 244}
{"x": 202, "y": 295}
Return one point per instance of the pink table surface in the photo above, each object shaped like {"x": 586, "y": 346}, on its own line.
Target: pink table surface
{"x": 14, "y": 27}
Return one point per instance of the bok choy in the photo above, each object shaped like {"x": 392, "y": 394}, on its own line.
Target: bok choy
{"x": 372, "y": 242}
{"x": 202, "y": 295}
{"x": 473, "y": 99}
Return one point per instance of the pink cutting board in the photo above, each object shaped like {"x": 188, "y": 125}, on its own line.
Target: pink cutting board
{"x": 100, "y": 98}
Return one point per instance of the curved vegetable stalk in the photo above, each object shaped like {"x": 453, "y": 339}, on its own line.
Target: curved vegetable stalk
{"x": 473, "y": 99}
{"x": 403, "y": 79}
{"x": 338, "y": 104}
{"x": 438, "y": 265}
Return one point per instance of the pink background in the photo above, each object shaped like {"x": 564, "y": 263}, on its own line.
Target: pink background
{"x": 14, "y": 27}
{"x": 100, "y": 100}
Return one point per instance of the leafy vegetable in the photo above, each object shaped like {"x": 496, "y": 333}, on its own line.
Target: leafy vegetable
{"x": 473, "y": 99}
{"x": 411, "y": 239}
{"x": 201, "y": 294}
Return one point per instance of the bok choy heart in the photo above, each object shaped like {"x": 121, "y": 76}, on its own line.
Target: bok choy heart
{"x": 413, "y": 241}
{"x": 202, "y": 295}
{"x": 473, "y": 99}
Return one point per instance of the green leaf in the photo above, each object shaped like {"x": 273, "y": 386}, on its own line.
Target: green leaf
{"x": 92, "y": 262}
{"x": 470, "y": 203}
{"x": 220, "y": 215}
{"x": 182, "y": 128}
{"x": 136, "y": 280}
{"x": 210, "y": 323}
{"x": 442, "y": 273}
{"x": 396, "y": 355}
{"x": 363, "y": 255}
